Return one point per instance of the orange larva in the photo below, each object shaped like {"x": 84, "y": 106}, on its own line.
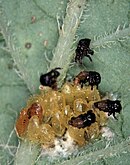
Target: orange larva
{"x": 25, "y": 116}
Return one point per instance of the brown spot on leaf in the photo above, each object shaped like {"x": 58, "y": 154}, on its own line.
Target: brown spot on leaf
{"x": 33, "y": 19}
{"x": 28, "y": 45}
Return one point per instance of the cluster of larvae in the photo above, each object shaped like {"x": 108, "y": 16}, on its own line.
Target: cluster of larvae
{"x": 76, "y": 109}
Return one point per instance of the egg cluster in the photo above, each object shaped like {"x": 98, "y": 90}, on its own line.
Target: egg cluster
{"x": 48, "y": 115}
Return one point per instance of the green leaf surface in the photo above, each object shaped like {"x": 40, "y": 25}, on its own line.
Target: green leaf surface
{"x": 30, "y": 31}
{"x": 31, "y": 34}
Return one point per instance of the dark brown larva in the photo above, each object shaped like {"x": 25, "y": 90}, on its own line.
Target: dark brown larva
{"x": 109, "y": 106}
{"x": 83, "y": 120}
{"x": 90, "y": 77}
{"x": 83, "y": 50}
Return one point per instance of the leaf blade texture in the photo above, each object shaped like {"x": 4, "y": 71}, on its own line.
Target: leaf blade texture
{"x": 28, "y": 36}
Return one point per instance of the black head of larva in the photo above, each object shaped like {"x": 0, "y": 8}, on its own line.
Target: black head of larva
{"x": 90, "y": 77}
{"x": 50, "y": 78}
{"x": 110, "y": 106}
{"x": 83, "y": 50}
{"x": 83, "y": 120}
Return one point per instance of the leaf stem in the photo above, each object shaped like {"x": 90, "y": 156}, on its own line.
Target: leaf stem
{"x": 63, "y": 53}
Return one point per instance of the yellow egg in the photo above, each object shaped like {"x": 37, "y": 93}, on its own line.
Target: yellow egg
{"x": 77, "y": 135}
